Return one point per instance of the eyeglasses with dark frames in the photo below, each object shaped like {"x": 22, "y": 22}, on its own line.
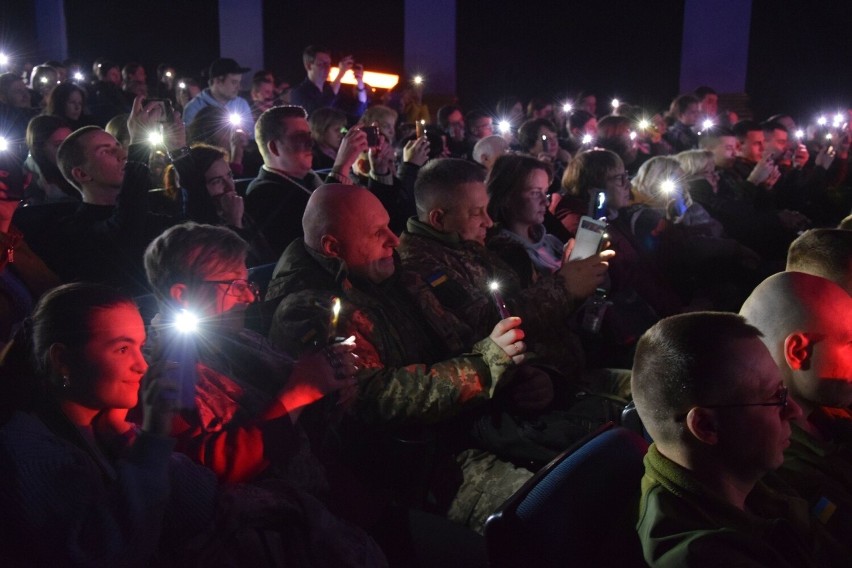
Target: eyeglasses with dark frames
{"x": 238, "y": 287}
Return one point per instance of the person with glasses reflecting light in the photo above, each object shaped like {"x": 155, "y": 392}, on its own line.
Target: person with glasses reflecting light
{"x": 249, "y": 394}
{"x": 807, "y": 325}
{"x": 711, "y": 397}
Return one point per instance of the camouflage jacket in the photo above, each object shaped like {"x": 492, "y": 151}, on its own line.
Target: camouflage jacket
{"x": 460, "y": 272}
{"x": 413, "y": 370}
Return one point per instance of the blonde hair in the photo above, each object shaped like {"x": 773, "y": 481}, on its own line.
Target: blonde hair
{"x": 694, "y": 162}
{"x": 648, "y": 183}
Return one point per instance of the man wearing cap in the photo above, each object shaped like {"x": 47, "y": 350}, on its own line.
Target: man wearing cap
{"x": 224, "y": 80}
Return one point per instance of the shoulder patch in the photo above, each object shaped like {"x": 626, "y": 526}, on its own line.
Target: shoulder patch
{"x": 437, "y": 278}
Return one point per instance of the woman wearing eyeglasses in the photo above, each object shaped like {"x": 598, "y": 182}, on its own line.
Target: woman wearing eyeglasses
{"x": 202, "y": 188}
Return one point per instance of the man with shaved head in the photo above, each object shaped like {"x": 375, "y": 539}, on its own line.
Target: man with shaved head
{"x": 806, "y": 322}
{"x": 712, "y": 398}
{"x": 414, "y": 372}
{"x": 488, "y": 149}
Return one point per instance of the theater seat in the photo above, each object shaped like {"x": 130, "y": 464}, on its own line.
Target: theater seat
{"x": 579, "y": 510}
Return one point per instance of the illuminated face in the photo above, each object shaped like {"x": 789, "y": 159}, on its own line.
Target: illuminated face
{"x": 296, "y": 155}
{"x": 482, "y": 128}
{"x": 138, "y": 75}
{"x": 113, "y": 75}
{"x": 752, "y": 439}
{"x": 690, "y": 115}
{"x": 318, "y": 70}
{"x": 74, "y": 105}
{"x": 826, "y": 379}
{"x": 709, "y": 105}
{"x": 528, "y": 206}
{"x": 468, "y": 216}
{"x": 617, "y": 189}
{"x": 105, "y": 160}
{"x": 227, "y": 87}
{"x": 752, "y": 148}
{"x": 778, "y": 141}
{"x": 220, "y": 301}
{"x": 366, "y": 243}
{"x": 51, "y": 145}
{"x": 725, "y": 152}
{"x": 455, "y": 125}
{"x": 333, "y": 136}
{"x": 18, "y": 95}
{"x": 113, "y": 364}
{"x": 552, "y": 143}
{"x": 219, "y": 179}
{"x": 263, "y": 96}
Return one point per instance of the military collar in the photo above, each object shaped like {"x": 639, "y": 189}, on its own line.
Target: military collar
{"x": 417, "y": 227}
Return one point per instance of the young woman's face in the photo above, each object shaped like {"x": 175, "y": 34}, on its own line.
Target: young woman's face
{"x": 74, "y": 105}
{"x": 333, "y": 135}
{"x": 530, "y": 204}
{"x": 219, "y": 179}
{"x": 112, "y": 361}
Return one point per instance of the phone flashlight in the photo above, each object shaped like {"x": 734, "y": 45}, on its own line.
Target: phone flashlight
{"x": 644, "y": 124}
{"x": 78, "y": 76}
{"x": 616, "y": 103}
{"x": 707, "y": 124}
{"x": 800, "y": 134}
{"x": 155, "y": 138}
{"x": 829, "y": 136}
{"x": 567, "y": 107}
{"x": 667, "y": 187}
{"x": 499, "y": 302}
{"x": 838, "y": 117}
{"x": 4, "y": 144}
{"x": 4, "y": 59}
{"x": 168, "y": 74}
{"x": 235, "y": 119}
{"x": 43, "y": 80}
{"x": 632, "y": 135}
{"x": 822, "y": 121}
{"x": 181, "y": 355}
{"x": 335, "y": 318}
{"x": 504, "y": 126}
{"x": 587, "y": 139}
{"x": 181, "y": 85}
{"x": 418, "y": 79}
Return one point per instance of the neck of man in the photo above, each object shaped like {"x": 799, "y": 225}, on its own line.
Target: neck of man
{"x": 219, "y": 98}
{"x": 319, "y": 81}
{"x": 288, "y": 172}
{"x": 98, "y": 195}
{"x": 731, "y": 486}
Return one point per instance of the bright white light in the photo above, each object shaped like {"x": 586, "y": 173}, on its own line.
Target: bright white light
{"x": 667, "y": 186}
{"x": 43, "y": 80}
{"x": 504, "y": 126}
{"x": 632, "y": 135}
{"x": 78, "y": 76}
{"x": 800, "y": 134}
{"x": 186, "y": 322}
{"x": 616, "y": 103}
{"x": 235, "y": 119}
{"x": 181, "y": 85}
{"x": 838, "y": 117}
{"x": 372, "y": 78}
{"x": 494, "y": 286}
{"x": 587, "y": 139}
{"x": 4, "y": 59}
{"x": 829, "y": 136}
{"x": 168, "y": 73}
{"x": 707, "y": 124}
{"x": 644, "y": 124}
{"x": 418, "y": 79}
{"x": 822, "y": 121}
{"x": 567, "y": 107}
{"x": 4, "y": 144}
{"x": 155, "y": 138}
{"x": 335, "y": 307}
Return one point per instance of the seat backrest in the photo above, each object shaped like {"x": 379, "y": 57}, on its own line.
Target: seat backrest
{"x": 578, "y": 510}
{"x": 630, "y": 420}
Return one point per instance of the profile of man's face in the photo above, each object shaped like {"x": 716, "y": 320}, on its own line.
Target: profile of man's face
{"x": 826, "y": 377}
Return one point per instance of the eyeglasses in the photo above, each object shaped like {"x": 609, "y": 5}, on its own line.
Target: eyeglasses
{"x": 238, "y": 288}
{"x": 781, "y": 395}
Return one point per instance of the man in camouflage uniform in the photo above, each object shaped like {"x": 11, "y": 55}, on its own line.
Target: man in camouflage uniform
{"x": 413, "y": 373}
{"x": 445, "y": 245}
{"x": 807, "y": 325}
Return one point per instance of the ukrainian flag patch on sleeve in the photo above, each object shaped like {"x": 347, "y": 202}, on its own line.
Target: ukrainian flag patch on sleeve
{"x": 437, "y": 278}
{"x": 823, "y": 510}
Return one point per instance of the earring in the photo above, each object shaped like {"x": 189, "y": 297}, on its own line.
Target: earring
{"x": 66, "y": 381}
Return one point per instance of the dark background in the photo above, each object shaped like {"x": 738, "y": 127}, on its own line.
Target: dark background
{"x": 798, "y": 59}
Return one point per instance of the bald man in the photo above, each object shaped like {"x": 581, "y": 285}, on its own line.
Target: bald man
{"x": 806, "y": 322}
{"x": 413, "y": 372}
{"x": 488, "y": 149}
{"x": 823, "y": 252}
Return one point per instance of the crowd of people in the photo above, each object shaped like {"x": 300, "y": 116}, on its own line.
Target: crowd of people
{"x": 313, "y": 326}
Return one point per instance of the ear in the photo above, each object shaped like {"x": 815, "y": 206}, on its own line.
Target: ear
{"x": 59, "y": 358}
{"x": 272, "y": 147}
{"x": 179, "y": 292}
{"x": 80, "y": 175}
{"x": 330, "y": 246}
{"x": 436, "y": 218}
{"x": 701, "y": 422}
{"x": 797, "y": 351}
